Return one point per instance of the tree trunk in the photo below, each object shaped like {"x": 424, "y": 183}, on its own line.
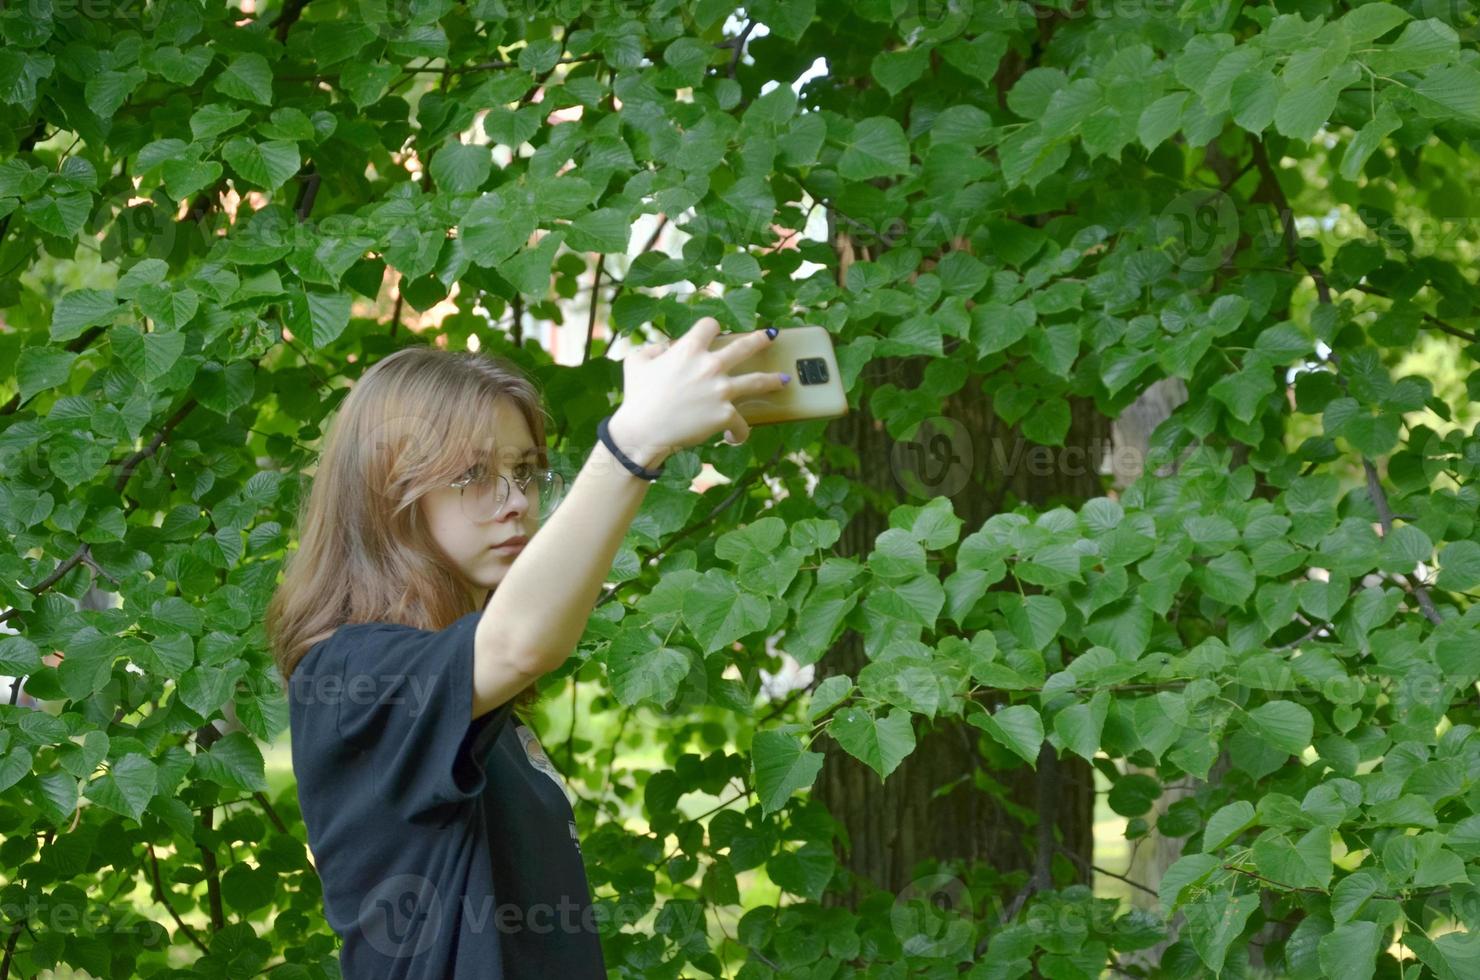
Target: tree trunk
{"x": 892, "y": 826}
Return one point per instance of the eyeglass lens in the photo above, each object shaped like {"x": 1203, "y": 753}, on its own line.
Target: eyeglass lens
{"x": 485, "y": 496}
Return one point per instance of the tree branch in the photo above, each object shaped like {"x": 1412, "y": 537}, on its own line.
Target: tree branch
{"x": 1271, "y": 186}
{"x": 162, "y": 898}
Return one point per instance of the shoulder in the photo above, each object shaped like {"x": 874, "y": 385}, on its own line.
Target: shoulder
{"x": 355, "y": 645}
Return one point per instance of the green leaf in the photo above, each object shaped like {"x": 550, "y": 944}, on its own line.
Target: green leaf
{"x": 979, "y": 57}
{"x": 530, "y": 269}
{"x": 20, "y": 179}
{"x": 213, "y": 119}
{"x": 1243, "y": 391}
{"x": 248, "y": 78}
{"x": 1079, "y": 726}
{"x": 319, "y": 316}
{"x": 513, "y": 128}
{"x": 1351, "y": 894}
{"x": 786, "y": 18}
{"x": 1303, "y": 109}
{"x": 497, "y": 225}
{"x": 1372, "y": 20}
{"x": 40, "y": 368}
{"x": 1048, "y": 424}
{"x": 646, "y": 674}
{"x": 224, "y": 388}
{"x": 879, "y": 743}
{"x": 59, "y": 214}
{"x": 1284, "y": 725}
{"x": 183, "y": 178}
{"x": 997, "y": 326}
{"x": 896, "y": 70}
{"x": 1123, "y": 626}
{"x": 1228, "y": 578}
{"x": 828, "y": 695}
{"x": 1454, "y": 92}
{"x": 602, "y": 230}
{"x": 781, "y": 765}
{"x": 1214, "y": 922}
{"x": 1459, "y": 566}
{"x": 1036, "y": 619}
{"x": 1424, "y": 43}
{"x": 367, "y": 81}
{"x": 18, "y": 655}
{"x": 14, "y": 766}
{"x": 147, "y": 356}
{"x": 1252, "y": 98}
{"x": 336, "y": 41}
{"x": 461, "y": 168}
{"x": 1030, "y": 95}
{"x": 80, "y": 309}
{"x": 128, "y": 787}
{"x": 897, "y": 556}
{"x": 718, "y": 612}
{"x": 1350, "y": 951}
{"x": 1161, "y": 119}
{"x": 877, "y": 148}
{"x": 246, "y": 888}
{"x": 107, "y": 90}
{"x": 1019, "y": 727}
{"x": 1371, "y": 435}
{"x": 20, "y": 71}
{"x": 268, "y": 165}
{"x": 233, "y": 761}
{"x": 204, "y": 689}
{"x": 1226, "y": 824}
{"x": 1453, "y": 956}
{"x": 169, "y": 308}
{"x": 1366, "y": 142}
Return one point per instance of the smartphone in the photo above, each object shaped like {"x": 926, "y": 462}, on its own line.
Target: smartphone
{"x": 816, "y": 387}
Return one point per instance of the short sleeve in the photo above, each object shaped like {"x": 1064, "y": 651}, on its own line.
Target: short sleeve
{"x": 407, "y": 700}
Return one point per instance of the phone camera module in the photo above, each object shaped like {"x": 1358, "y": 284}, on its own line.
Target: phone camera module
{"x": 812, "y": 371}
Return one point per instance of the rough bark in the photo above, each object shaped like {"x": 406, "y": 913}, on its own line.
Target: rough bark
{"x": 893, "y": 826}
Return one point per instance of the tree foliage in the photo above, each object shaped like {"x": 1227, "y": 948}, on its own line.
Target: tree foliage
{"x": 206, "y": 208}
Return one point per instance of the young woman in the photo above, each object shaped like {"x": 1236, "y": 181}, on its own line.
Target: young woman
{"x": 420, "y": 609}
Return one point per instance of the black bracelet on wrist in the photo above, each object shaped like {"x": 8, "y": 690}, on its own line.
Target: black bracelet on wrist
{"x": 634, "y": 467}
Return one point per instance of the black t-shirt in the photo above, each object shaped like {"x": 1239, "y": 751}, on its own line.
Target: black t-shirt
{"x": 446, "y": 844}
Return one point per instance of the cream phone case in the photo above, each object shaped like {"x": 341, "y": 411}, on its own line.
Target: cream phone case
{"x": 816, "y": 387}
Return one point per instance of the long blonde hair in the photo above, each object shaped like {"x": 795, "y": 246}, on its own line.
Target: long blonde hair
{"x": 414, "y": 421}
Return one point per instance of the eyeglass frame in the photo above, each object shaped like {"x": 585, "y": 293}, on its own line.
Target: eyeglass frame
{"x": 463, "y": 482}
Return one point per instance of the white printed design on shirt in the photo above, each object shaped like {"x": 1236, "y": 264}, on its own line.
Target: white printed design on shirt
{"x": 536, "y": 755}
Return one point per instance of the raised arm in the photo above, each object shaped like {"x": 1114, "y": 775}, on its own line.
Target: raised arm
{"x": 673, "y": 397}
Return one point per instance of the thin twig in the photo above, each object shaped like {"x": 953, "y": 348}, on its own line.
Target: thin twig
{"x": 1385, "y": 516}
{"x": 163, "y": 899}
{"x": 1276, "y": 194}
{"x": 740, "y": 47}
{"x": 1443, "y": 325}
{"x": 595, "y": 304}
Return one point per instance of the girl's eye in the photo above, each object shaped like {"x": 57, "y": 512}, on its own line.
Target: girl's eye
{"x": 524, "y": 470}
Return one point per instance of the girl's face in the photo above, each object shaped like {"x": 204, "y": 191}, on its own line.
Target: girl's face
{"x": 473, "y": 545}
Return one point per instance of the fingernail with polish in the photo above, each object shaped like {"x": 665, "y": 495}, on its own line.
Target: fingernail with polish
{"x": 771, "y": 332}
{"x": 786, "y": 379}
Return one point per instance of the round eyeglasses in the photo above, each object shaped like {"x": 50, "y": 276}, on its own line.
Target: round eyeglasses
{"x": 484, "y": 495}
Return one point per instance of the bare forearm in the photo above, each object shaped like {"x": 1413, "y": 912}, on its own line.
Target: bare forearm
{"x": 539, "y": 610}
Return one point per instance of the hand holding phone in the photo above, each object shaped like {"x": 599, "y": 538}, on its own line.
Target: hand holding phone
{"x": 681, "y": 393}
{"x": 816, "y": 389}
